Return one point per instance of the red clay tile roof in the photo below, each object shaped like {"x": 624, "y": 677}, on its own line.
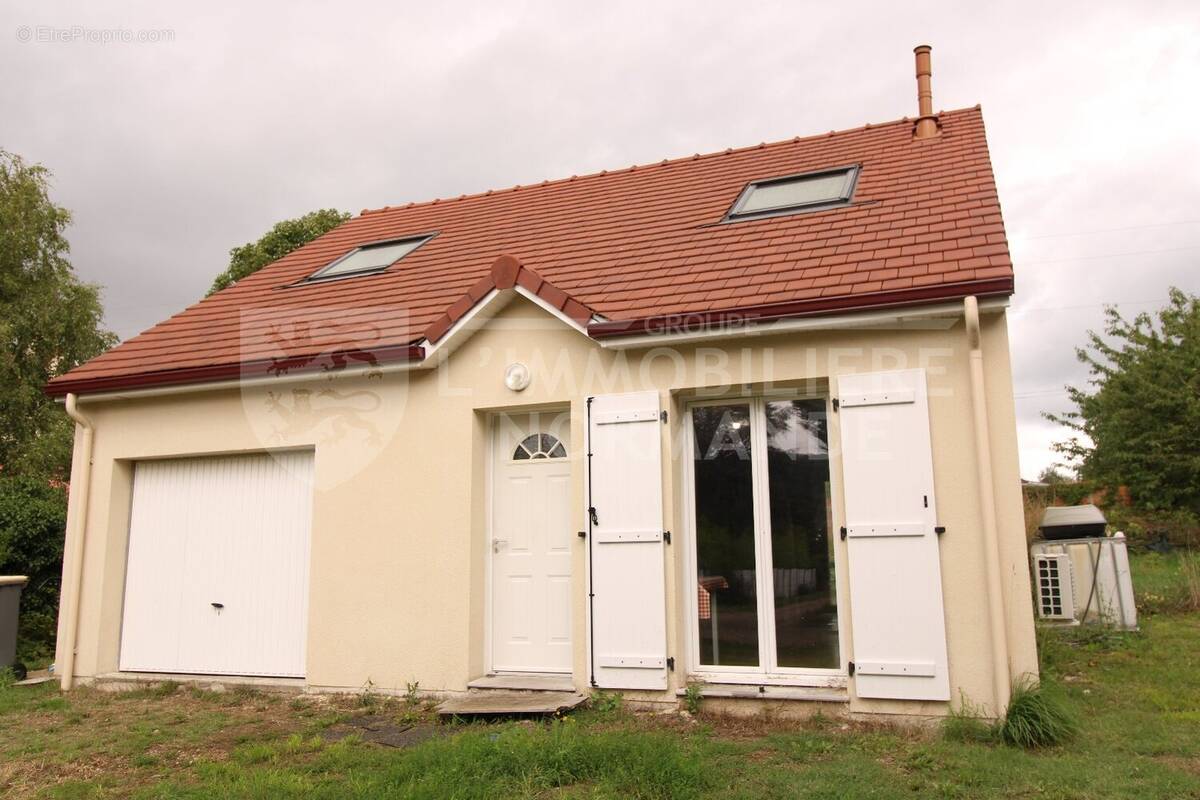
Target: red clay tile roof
{"x": 633, "y": 246}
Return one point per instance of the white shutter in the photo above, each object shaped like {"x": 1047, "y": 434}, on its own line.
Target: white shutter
{"x": 628, "y": 603}
{"x": 898, "y": 617}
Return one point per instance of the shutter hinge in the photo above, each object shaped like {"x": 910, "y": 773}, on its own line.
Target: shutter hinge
{"x": 663, "y": 416}
{"x": 939, "y": 530}
{"x": 592, "y": 515}
{"x": 851, "y": 669}
{"x": 835, "y": 405}
{"x": 843, "y": 532}
{"x": 667, "y": 537}
{"x": 671, "y": 663}
{"x": 582, "y": 534}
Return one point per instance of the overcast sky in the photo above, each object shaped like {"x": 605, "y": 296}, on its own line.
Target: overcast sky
{"x": 170, "y": 152}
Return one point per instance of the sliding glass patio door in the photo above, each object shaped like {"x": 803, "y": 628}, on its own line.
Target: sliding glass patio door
{"x": 764, "y": 579}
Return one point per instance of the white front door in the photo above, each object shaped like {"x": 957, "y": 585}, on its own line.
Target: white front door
{"x": 530, "y": 544}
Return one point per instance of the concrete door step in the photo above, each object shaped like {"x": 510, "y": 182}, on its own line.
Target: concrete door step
{"x": 531, "y": 681}
{"x": 502, "y": 703}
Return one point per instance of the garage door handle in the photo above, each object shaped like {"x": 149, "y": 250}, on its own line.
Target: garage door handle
{"x": 218, "y": 606}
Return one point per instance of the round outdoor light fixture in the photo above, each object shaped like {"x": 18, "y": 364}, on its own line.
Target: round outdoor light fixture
{"x": 517, "y": 376}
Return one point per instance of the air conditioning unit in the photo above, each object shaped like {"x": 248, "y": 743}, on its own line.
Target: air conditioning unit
{"x": 1083, "y": 579}
{"x": 1054, "y": 587}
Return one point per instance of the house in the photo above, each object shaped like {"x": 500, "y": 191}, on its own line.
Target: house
{"x": 743, "y": 420}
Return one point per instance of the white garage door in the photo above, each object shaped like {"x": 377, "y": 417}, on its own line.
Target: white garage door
{"x": 217, "y": 578}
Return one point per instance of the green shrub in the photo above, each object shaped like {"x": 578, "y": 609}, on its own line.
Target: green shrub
{"x": 693, "y": 697}
{"x": 1036, "y": 716}
{"x": 33, "y": 520}
{"x": 605, "y": 702}
{"x": 1155, "y": 530}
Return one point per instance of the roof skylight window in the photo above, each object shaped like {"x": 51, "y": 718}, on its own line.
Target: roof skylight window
{"x": 370, "y": 258}
{"x": 795, "y": 193}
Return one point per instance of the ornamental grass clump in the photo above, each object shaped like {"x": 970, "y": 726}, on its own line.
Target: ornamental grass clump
{"x": 1036, "y": 717}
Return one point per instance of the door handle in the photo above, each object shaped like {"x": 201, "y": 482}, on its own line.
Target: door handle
{"x": 217, "y": 606}
{"x": 499, "y": 544}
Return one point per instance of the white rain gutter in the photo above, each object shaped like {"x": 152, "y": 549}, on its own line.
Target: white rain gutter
{"x": 266, "y": 380}
{"x": 76, "y": 532}
{"x": 935, "y": 316}
{"x": 1001, "y": 679}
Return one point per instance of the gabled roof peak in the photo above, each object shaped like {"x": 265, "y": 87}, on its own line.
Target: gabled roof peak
{"x": 508, "y": 272}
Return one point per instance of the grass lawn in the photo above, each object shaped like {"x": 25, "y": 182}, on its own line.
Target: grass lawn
{"x": 1137, "y": 697}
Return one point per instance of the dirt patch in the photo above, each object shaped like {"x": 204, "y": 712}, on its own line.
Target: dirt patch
{"x": 385, "y": 731}
{"x": 739, "y": 727}
{"x": 1190, "y": 765}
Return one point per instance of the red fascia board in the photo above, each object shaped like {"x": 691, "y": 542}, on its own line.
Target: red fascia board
{"x": 820, "y": 306}
{"x": 329, "y": 362}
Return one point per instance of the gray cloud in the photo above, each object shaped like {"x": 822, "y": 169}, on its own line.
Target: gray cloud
{"x": 170, "y": 153}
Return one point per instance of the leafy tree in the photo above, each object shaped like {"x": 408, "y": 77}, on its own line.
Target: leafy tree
{"x": 1051, "y": 475}
{"x": 282, "y": 239}
{"x": 33, "y": 518}
{"x": 50, "y": 322}
{"x": 1138, "y": 427}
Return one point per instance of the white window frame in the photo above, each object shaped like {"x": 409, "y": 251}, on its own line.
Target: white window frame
{"x": 324, "y": 274}
{"x": 548, "y": 459}
{"x": 767, "y": 672}
{"x": 851, "y": 171}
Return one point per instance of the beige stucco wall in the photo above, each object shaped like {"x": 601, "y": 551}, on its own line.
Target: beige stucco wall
{"x": 399, "y": 521}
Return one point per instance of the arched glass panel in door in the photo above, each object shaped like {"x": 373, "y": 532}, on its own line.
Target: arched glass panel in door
{"x": 539, "y": 446}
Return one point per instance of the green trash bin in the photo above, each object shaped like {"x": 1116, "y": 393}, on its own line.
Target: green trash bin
{"x": 10, "y": 605}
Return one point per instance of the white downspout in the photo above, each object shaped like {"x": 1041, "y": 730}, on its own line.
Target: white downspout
{"x": 76, "y": 531}
{"x": 987, "y": 501}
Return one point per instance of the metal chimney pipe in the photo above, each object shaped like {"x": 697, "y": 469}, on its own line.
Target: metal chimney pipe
{"x": 926, "y": 123}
